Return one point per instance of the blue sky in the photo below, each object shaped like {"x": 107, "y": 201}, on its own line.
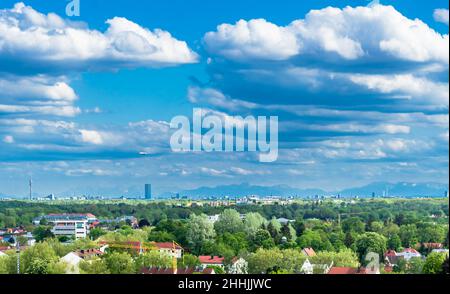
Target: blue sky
{"x": 361, "y": 92}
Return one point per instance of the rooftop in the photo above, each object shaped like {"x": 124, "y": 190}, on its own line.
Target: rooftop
{"x": 207, "y": 259}
{"x": 346, "y": 271}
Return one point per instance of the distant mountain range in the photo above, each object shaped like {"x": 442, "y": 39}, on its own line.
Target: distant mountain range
{"x": 379, "y": 189}
{"x": 401, "y": 189}
{"x": 246, "y": 189}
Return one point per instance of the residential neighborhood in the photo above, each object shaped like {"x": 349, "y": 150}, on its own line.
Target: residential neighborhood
{"x": 227, "y": 242}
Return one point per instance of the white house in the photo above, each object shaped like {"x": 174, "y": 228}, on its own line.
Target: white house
{"x": 444, "y": 251}
{"x": 239, "y": 266}
{"x": 307, "y": 268}
{"x": 213, "y": 218}
{"x": 409, "y": 253}
{"x": 73, "y": 259}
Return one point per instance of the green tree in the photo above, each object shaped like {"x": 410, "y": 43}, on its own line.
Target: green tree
{"x": 119, "y": 263}
{"x": 431, "y": 233}
{"x": 229, "y": 221}
{"x": 353, "y": 224}
{"x": 377, "y": 227}
{"x": 38, "y": 259}
{"x": 264, "y": 259}
{"x": 42, "y": 233}
{"x": 433, "y": 263}
{"x": 96, "y": 233}
{"x": 408, "y": 235}
{"x": 37, "y": 267}
{"x": 253, "y": 222}
{"x": 415, "y": 266}
{"x": 161, "y": 236}
{"x": 315, "y": 240}
{"x": 3, "y": 265}
{"x": 299, "y": 226}
{"x": 217, "y": 269}
{"x": 289, "y": 232}
{"x": 274, "y": 260}
{"x": 262, "y": 239}
{"x": 349, "y": 239}
{"x": 22, "y": 240}
{"x": 390, "y": 229}
{"x": 394, "y": 242}
{"x": 189, "y": 260}
{"x": 199, "y": 230}
{"x": 153, "y": 259}
{"x": 293, "y": 260}
{"x": 401, "y": 266}
{"x": 94, "y": 267}
{"x": 445, "y": 269}
{"x": 370, "y": 242}
{"x": 237, "y": 242}
{"x": 343, "y": 258}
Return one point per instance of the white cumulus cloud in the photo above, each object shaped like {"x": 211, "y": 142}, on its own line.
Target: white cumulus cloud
{"x": 352, "y": 33}
{"x": 35, "y": 40}
{"x": 441, "y": 15}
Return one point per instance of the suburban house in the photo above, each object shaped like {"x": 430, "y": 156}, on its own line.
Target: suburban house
{"x": 391, "y": 257}
{"x": 307, "y": 268}
{"x": 238, "y": 266}
{"x": 409, "y": 253}
{"x": 170, "y": 248}
{"x": 207, "y": 260}
{"x": 73, "y": 259}
{"x": 308, "y": 252}
{"x": 11, "y": 239}
{"x": 445, "y": 251}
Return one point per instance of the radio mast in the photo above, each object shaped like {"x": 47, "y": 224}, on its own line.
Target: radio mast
{"x": 31, "y": 190}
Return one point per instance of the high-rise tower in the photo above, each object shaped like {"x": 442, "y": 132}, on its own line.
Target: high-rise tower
{"x": 148, "y": 191}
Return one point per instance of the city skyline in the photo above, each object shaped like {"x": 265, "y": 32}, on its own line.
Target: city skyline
{"x": 360, "y": 92}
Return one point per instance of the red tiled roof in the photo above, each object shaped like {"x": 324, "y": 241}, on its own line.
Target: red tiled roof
{"x": 410, "y": 250}
{"x": 166, "y": 271}
{"x": 309, "y": 252}
{"x": 211, "y": 259}
{"x": 89, "y": 252}
{"x": 390, "y": 253}
{"x": 167, "y": 245}
{"x": 343, "y": 271}
{"x": 433, "y": 245}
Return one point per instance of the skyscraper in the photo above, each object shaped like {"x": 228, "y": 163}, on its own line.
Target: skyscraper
{"x": 148, "y": 191}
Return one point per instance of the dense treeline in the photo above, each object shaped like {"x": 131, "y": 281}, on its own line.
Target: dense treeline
{"x": 13, "y": 213}
{"x": 342, "y": 233}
